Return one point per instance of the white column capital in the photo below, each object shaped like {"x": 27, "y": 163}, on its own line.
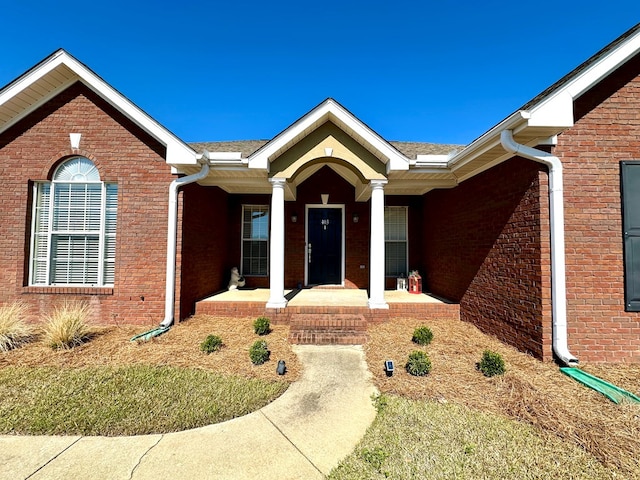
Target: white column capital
{"x": 377, "y": 184}
{"x": 277, "y": 182}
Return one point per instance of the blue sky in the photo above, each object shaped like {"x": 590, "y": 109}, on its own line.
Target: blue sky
{"x": 441, "y": 72}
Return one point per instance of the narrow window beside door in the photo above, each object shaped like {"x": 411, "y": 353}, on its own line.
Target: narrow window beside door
{"x": 395, "y": 236}
{"x": 255, "y": 240}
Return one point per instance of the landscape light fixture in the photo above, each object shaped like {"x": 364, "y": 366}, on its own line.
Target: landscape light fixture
{"x": 389, "y": 367}
{"x": 282, "y": 367}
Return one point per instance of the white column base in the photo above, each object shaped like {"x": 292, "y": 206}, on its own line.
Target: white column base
{"x": 277, "y": 303}
{"x": 377, "y": 304}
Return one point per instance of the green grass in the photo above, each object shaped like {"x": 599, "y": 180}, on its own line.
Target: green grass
{"x": 421, "y": 439}
{"x": 123, "y": 401}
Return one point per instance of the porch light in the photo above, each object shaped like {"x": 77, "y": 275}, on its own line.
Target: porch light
{"x": 294, "y": 218}
{"x": 389, "y": 367}
{"x": 356, "y": 218}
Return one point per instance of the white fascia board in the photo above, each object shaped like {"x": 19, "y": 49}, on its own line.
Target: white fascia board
{"x": 178, "y": 152}
{"x": 29, "y": 79}
{"x": 396, "y": 160}
{"x": 260, "y": 158}
{"x": 554, "y": 112}
{"x": 557, "y": 108}
{"x": 487, "y": 140}
{"x": 231, "y": 156}
{"x": 432, "y": 161}
{"x": 326, "y": 111}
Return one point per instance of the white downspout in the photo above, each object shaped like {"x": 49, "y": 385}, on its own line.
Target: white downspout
{"x": 558, "y": 270}
{"x": 172, "y": 229}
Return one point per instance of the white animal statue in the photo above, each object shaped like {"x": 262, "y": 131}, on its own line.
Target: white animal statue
{"x": 237, "y": 280}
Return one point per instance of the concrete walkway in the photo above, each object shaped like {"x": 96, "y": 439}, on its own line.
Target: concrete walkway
{"x": 302, "y": 435}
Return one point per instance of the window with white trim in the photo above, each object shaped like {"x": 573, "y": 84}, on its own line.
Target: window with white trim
{"x": 255, "y": 240}
{"x": 395, "y": 241}
{"x": 74, "y": 227}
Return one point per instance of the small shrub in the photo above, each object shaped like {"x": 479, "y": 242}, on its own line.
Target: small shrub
{"x": 422, "y": 336}
{"x": 14, "y": 330}
{"x": 418, "y": 364}
{"x": 262, "y": 326}
{"x": 211, "y": 344}
{"x": 259, "y": 352}
{"x": 375, "y": 457}
{"x": 67, "y": 326}
{"x": 491, "y": 364}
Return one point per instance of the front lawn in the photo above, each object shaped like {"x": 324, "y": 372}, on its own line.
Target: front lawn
{"x": 132, "y": 400}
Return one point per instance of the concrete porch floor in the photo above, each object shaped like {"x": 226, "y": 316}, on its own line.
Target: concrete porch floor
{"x": 344, "y": 297}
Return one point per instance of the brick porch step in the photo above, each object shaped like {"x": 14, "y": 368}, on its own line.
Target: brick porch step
{"x": 327, "y": 329}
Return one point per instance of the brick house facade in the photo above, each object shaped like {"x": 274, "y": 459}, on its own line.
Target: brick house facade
{"x": 545, "y": 264}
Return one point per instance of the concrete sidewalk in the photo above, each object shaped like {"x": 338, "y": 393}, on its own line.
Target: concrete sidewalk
{"x": 301, "y": 435}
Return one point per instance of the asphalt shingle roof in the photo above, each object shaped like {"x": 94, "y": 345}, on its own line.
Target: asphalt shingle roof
{"x": 247, "y": 147}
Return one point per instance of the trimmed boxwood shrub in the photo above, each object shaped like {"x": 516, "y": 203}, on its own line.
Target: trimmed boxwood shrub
{"x": 259, "y": 352}
{"x": 422, "y": 335}
{"x": 491, "y": 364}
{"x": 262, "y": 326}
{"x": 418, "y": 364}
{"x": 211, "y": 344}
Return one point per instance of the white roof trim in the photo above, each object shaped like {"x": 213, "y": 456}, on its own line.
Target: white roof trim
{"x": 561, "y": 101}
{"x": 329, "y": 110}
{"x": 178, "y": 152}
{"x": 554, "y": 111}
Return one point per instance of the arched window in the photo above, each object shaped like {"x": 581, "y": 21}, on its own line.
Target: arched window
{"x": 74, "y": 227}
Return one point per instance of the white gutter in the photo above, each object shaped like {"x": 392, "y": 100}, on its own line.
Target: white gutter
{"x": 172, "y": 229}
{"x": 558, "y": 270}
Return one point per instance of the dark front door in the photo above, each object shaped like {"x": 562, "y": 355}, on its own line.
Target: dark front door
{"x": 324, "y": 246}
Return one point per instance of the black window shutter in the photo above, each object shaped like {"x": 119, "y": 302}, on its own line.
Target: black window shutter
{"x": 630, "y": 179}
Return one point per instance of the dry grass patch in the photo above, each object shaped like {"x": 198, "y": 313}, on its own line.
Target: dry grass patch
{"x": 14, "y": 330}
{"x": 530, "y": 390}
{"x": 67, "y": 326}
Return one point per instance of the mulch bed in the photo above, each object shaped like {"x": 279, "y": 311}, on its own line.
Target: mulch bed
{"x": 180, "y": 347}
{"x": 531, "y": 391}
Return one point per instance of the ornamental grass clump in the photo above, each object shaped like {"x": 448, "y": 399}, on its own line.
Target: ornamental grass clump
{"x": 211, "y": 344}
{"x": 491, "y": 364}
{"x": 262, "y": 326}
{"x": 67, "y": 326}
{"x": 14, "y": 330}
{"x": 419, "y": 364}
{"x": 422, "y": 335}
{"x": 259, "y": 352}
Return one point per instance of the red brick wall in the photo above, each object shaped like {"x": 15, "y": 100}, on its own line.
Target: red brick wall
{"x": 206, "y": 264}
{"x": 124, "y": 154}
{"x": 607, "y": 131}
{"x": 486, "y": 246}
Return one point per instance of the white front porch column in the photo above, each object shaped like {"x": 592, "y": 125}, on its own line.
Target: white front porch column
{"x": 377, "y": 259}
{"x": 276, "y": 271}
